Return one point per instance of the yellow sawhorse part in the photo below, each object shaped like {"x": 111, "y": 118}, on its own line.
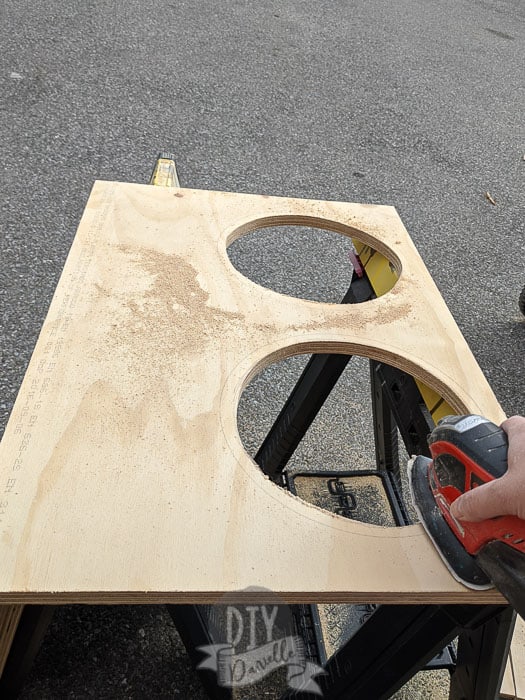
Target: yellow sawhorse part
{"x": 383, "y": 276}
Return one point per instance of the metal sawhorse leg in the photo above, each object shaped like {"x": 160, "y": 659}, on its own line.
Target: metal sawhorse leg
{"x": 32, "y": 625}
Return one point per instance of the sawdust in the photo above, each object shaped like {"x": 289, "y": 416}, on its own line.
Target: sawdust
{"x": 376, "y": 315}
{"x": 172, "y": 317}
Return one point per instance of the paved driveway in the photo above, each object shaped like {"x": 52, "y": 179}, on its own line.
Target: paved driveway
{"x": 413, "y": 103}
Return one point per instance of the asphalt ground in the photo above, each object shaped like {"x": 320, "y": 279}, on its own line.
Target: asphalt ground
{"x": 414, "y": 103}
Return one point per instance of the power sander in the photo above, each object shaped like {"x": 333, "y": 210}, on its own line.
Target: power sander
{"x": 468, "y": 451}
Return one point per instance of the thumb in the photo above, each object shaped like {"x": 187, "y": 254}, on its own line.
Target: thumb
{"x": 482, "y": 502}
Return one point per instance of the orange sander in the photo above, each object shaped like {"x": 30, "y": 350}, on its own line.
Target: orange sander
{"x": 468, "y": 451}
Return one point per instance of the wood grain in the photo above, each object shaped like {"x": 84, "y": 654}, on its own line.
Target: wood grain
{"x": 122, "y": 472}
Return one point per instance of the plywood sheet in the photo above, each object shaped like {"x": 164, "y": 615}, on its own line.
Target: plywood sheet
{"x": 122, "y": 472}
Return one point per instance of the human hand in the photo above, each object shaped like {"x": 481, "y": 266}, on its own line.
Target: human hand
{"x": 503, "y": 496}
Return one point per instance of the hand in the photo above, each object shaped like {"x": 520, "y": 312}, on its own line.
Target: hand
{"x": 503, "y": 496}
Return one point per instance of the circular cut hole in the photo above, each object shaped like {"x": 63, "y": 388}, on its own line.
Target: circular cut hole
{"x": 340, "y": 439}
{"x": 306, "y": 262}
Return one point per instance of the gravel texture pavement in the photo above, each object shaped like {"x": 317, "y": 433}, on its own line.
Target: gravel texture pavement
{"x": 414, "y": 103}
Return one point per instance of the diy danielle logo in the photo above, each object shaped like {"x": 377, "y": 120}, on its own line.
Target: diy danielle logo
{"x": 252, "y": 641}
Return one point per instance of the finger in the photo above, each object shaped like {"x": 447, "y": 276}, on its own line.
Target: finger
{"x": 514, "y": 427}
{"x": 486, "y": 501}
